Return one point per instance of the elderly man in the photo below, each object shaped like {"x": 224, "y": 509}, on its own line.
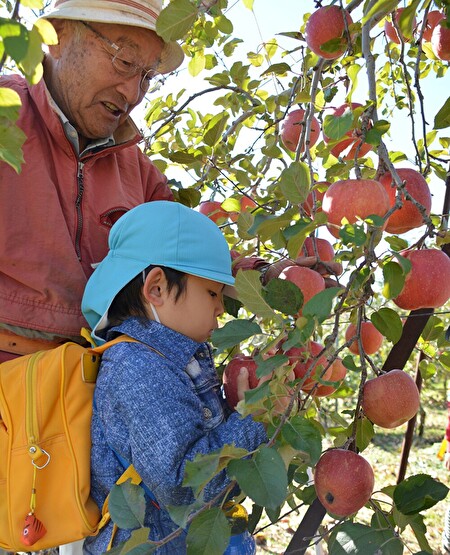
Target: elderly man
{"x": 83, "y": 168}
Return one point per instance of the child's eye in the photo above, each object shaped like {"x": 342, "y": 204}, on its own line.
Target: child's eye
{"x": 213, "y": 294}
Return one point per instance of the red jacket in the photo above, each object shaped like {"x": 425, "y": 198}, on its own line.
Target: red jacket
{"x": 56, "y": 214}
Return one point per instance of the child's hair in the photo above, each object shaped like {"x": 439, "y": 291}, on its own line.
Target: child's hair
{"x": 130, "y": 302}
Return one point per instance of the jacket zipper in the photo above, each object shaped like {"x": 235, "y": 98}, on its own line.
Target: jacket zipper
{"x": 78, "y": 201}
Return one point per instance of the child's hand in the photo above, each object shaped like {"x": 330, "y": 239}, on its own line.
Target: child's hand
{"x": 242, "y": 383}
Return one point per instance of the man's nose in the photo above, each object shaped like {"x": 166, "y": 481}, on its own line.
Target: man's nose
{"x": 130, "y": 89}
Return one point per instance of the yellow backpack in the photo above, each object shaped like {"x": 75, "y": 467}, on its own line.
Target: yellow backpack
{"x": 45, "y": 442}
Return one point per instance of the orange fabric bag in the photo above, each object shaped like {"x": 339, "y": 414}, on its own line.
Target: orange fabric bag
{"x": 45, "y": 415}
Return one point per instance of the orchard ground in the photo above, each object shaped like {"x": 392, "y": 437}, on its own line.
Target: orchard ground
{"x": 384, "y": 454}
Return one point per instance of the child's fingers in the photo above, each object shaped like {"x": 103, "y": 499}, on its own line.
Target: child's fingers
{"x": 242, "y": 383}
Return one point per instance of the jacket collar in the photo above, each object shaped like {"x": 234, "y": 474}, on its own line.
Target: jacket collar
{"x": 173, "y": 345}
{"x": 126, "y": 134}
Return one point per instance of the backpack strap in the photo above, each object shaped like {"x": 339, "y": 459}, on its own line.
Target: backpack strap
{"x": 130, "y": 473}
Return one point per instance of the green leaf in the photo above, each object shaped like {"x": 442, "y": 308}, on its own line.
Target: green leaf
{"x": 321, "y": 304}
{"x": 175, "y": 20}
{"x": 375, "y": 133}
{"x": 197, "y": 63}
{"x": 215, "y": 128}
{"x": 418, "y": 493}
{"x": 205, "y": 466}
{"x": 180, "y": 513}
{"x": 138, "y": 543}
{"x": 12, "y": 139}
{"x": 224, "y": 24}
{"x": 34, "y": 4}
{"x": 417, "y": 524}
{"x": 209, "y": 533}
{"x": 283, "y": 295}
{"x": 380, "y": 7}
{"x": 234, "y": 332}
{"x": 189, "y": 197}
{"x": 268, "y": 365}
{"x": 295, "y": 182}
{"x": 406, "y": 21}
{"x": 263, "y": 478}
{"x": 433, "y": 329}
{"x": 31, "y": 61}
{"x": 394, "y": 279}
{"x": 335, "y": 127}
{"x": 304, "y": 436}
{"x": 277, "y": 69}
{"x": 15, "y": 38}
{"x": 46, "y": 30}
{"x": 127, "y": 505}
{"x": 353, "y": 234}
{"x": 442, "y": 118}
{"x": 10, "y": 104}
{"x": 249, "y": 290}
{"x": 358, "y": 539}
{"x": 388, "y": 323}
{"x": 364, "y": 433}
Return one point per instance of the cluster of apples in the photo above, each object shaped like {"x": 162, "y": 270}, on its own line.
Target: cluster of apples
{"x": 329, "y": 30}
{"x": 346, "y": 147}
{"x": 213, "y": 209}
{"x": 344, "y": 480}
{"x": 435, "y": 32}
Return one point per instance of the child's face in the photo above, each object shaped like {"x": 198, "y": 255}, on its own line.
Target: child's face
{"x": 195, "y": 313}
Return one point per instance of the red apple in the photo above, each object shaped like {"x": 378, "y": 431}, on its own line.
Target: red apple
{"x": 247, "y": 205}
{"x": 346, "y": 148}
{"x": 324, "y": 25}
{"x": 319, "y": 190}
{"x": 390, "y": 30}
{"x": 301, "y": 359}
{"x": 338, "y": 373}
{"x": 308, "y": 281}
{"x": 324, "y": 248}
{"x": 433, "y": 19}
{"x": 343, "y": 481}
{"x": 440, "y": 41}
{"x": 427, "y": 285}
{"x": 293, "y": 127}
{"x": 408, "y": 216}
{"x": 371, "y": 338}
{"x": 353, "y": 199}
{"x": 391, "y": 399}
{"x": 213, "y": 209}
{"x": 231, "y": 373}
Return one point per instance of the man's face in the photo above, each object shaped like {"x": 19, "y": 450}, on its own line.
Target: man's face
{"x": 85, "y": 84}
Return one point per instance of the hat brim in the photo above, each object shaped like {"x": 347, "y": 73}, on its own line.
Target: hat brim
{"x": 112, "y": 274}
{"x": 172, "y": 54}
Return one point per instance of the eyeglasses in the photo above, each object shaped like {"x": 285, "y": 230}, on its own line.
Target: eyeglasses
{"x": 122, "y": 61}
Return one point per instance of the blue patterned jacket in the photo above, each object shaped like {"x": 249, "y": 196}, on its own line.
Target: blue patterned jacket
{"x": 158, "y": 412}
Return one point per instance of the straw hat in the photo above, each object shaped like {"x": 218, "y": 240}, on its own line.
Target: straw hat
{"x": 138, "y": 13}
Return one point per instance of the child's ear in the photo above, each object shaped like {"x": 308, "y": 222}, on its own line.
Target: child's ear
{"x": 154, "y": 285}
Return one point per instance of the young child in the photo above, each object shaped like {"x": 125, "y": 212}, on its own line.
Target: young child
{"x": 162, "y": 284}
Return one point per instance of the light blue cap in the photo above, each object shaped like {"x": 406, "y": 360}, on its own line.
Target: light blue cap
{"x": 160, "y": 233}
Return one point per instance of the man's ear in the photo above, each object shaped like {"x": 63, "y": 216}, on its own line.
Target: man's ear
{"x": 62, "y": 29}
{"x": 154, "y": 287}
